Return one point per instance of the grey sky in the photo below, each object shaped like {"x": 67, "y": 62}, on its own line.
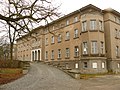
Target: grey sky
{"x": 72, "y": 5}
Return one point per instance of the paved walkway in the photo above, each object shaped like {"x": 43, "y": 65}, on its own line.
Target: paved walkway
{"x": 43, "y": 77}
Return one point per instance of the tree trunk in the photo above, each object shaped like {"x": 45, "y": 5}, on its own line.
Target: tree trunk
{"x": 11, "y": 51}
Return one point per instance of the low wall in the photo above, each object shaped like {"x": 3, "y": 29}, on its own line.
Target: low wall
{"x": 12, "y": 64}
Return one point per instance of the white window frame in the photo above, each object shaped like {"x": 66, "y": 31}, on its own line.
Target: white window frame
{"x": 59, "y": 37}
{"x": 75, "y": 19}
{"x": 67, "y": 52}
{"x": 46, "y": 55}
{"x": 85, "y": 48}
{"x": 117, "y": 51}
{"x": 75, "y": 33}
{"x": 52, "y": 39}
{"x": 84, "y": 26}
{"x": 94, "y": 65}
{"x": 93, "y": 24}
{"x": 94, "y": 47}
{"x": 67, "y": 35}
{"x": 100, "y": 25}
{"x": 67, "y": 22}
{"x": 46, "y": 41}
{"x": 76, "y": 51}
{"x": 52, "y": 54}
{"x": 59, "y": 53}
{"x": 76, "y": 65}
{"x": 103, "y": 65}
{"x": 102, "y": 47}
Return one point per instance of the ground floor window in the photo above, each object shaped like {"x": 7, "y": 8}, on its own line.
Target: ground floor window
{"x": 94, "y": 65}
{"x": 85, "y": 65}
{"x": 76, "y": 65}
{"x": 118, "y": 65}
{"x": 103, "y": 65}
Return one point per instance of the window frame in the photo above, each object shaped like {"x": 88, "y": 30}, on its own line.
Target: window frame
{"x": 67, "y": 35}
{"x": 67, "y": 55}
{"x": 84, "y": 26}
{"x": 76, "y": 33}
{"x": 76, "y": 51}
{"x": 59, "y": 53}
{"x": 93, "y": 25}
{"x": 85, "y": 46}
{"x": 94, "y": 47}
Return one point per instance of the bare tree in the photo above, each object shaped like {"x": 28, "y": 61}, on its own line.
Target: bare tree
{"x": 21, "y": 16}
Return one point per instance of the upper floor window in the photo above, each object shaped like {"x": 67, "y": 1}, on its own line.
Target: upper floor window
{"x": 59, "y": 53}
{"x": 75, "y": 33}
{"x": 117, "y": 51}
{"x": 76, "y": 51}
{"x": 67, "y": 52}
{"x": 67, "y": 22}
{"x": 52, "y": 54}
{"x": 75, "y": 19}
{"x": 52, "y": 39}
{"x": 46, "y": 55}
{"x": 84, "y": 26}
{"x": 53, "y": 27}
{"x": 116, "y": 33}
{"x": 92, "y": 24}
{"x": 59, "y": 38}
{"x": 101, "y": 47}
{"x": 85, "y": 48}
{"x": 46, "y": 41}
{"x": 94, "y": 47}
{"x": 100, "y": 25}
{"x": 67, "y": 35}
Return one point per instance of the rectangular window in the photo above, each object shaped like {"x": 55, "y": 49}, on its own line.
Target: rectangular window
{"x": 76, "y": 51}
{"x": 118, "y": 65}
{"x": 85, "y": 48}
{"x": 67, "y": 22}
{"x": 75, "y": 33}
{"x": 76, "y": 65}
{"x": 94, "y": 48}
{"x": 52, "y": 39}
{"x": 100, "y": 25}
{"x": 117, "y": 51}
{"x": 46, "y": 55}
{"x": 85, "y": 65}
{"x": 67, "y": 35}
{"x": 59, "y": 38}
{"x": 84, "y": 26}
{"x": 103, "y": 65}
{"x": 59, "y": 53}
{"x": 94, "y": 65}
{"x": 75, "y": 19}
{"x": 67, "y": 52}
{"x": 52, "y": 54}
{"x": 53, "y": 27}
{"x": 92, "y": 24}
{"x": 46, "y": 41}
{"x": 101, "y": 47}
{"x": 116, "y": 32}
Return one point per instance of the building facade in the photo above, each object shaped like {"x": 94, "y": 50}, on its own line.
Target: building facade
{"x": 87, "y": 39}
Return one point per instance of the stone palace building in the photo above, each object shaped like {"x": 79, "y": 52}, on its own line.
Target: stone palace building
{"x": 87, "y": 39}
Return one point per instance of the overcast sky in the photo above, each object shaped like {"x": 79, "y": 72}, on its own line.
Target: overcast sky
{"x": 69, "y": 6}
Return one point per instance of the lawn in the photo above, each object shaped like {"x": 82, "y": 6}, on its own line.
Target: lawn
{"x": 9, "y": 74}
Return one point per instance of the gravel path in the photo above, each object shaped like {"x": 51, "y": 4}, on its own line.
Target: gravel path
{"x": 43, "y": 77}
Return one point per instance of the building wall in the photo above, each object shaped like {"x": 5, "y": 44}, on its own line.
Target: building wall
{"x": 91, "y": 50}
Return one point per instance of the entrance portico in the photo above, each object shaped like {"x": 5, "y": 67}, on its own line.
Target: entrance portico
{"x": 36, "y": 55}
